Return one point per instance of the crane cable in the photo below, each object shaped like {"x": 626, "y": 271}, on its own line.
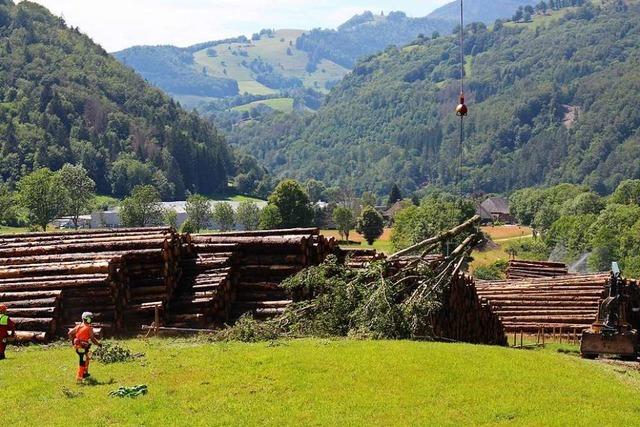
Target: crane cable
{"x": 461, "y": 109}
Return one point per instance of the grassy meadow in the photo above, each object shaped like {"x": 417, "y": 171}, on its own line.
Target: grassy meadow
{"x": 272, "y": 50}
{"x": 383, "y": 244}
{"x": 321, "y": 382}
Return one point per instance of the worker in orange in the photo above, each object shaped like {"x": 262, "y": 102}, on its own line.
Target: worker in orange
{"x": 7, "y": 329}
{"x": 82, "y": 336}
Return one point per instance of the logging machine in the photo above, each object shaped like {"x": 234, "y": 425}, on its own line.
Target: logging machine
{"x": 613, "y": 331}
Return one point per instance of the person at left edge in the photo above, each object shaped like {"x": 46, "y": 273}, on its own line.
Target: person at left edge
{"x": 7, "y": 329}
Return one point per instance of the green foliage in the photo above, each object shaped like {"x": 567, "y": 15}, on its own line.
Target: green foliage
{"x": 531, "y": 249}
{"x": 494, "y": 271}
{"x": 63, "y": 99}
{"x": 79, "y": 189}
{"x": 109, "y": 353}
{"x": 248, "y": 215}
{"x": 143, "y": 208}
{"x": 437, "y": 212}
{"x": 315, "y": 189}
{"x": 544, "y": 110}
{"x": 394, "y": 195}
{"x": 170, "y": 218}
{"x": 612, "y": 236}
{"x": 223, "y": 216}
{"x": 627, "y": 193}
{"x": 293, "y": 204}
{"x": 42, "y": 195}
{"x": 188, "y": 227}
{"x": 131, "y": 392}
{"x": 344, "y": 220}
{"x": 270, "y": 218}
{"x": 7, "y": 204}
{"x": 247, "y": 329}
{"x": 367, "y": 304}
{"x": 198, "y": 211}
{"x": 370, "y": 224}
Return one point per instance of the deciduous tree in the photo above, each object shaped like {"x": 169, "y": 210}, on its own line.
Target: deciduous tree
{"x": 79, "y": 190}
{"x": 143, "y": 208}
{"x": 370, "y": 224}
{"x": 41, "y": 193}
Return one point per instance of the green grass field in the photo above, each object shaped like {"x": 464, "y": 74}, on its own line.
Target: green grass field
{"x": 12, "y": 230}
{"x": 274, "y": 52}
{"x": 321, "y": 382}
{"x": 279, "y": 104}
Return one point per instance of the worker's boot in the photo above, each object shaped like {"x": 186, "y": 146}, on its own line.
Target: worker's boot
{"x": 2, "y": 356}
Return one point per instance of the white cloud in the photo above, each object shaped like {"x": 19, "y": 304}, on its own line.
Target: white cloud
{"x": 117, "y": 24}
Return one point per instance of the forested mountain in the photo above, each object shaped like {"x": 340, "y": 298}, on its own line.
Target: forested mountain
{"x": 63, "y": 99}
{"x": 551, "y": 101}
{"x": 479, "y": 11}
{"x": 367, "y": 33}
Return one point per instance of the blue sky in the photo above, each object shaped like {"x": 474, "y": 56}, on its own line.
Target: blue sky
{"x": 117, "y": 24}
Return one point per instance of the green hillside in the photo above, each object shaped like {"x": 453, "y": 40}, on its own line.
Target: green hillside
{"x": 277, "y": 51}
{"x": 63, "y": 99}
{"x": 545, "y": 108}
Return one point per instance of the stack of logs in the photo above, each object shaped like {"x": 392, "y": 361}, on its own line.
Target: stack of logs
{"x": 263, "y": 259}
{"x": 518, "y": 269}
{"x": 568, "y": 303}
{"x": 48, "y": 279}
{"x": 464, "y": 317}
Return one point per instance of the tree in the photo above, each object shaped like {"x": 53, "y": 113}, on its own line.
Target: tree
{"x": 627, "y": 193}
{"x": 6, "y": 203}
{"x": 368, "y": 199}
{"x": 517, "y": 17}
{"x": 394, "y": 195}
{"x": 315, "y": 189}
{"x": 293, "y": 204}
{"x": 143, "y": 208}
{"x": 343, "y": 218}
{"x": 198, "y": 211}
{"x": 79, "y": 190}
{"x": 370, "y": 224}
{"x": 42, "y": 195}
{"x": 541, "y": 7}
{"x": 270, "y": 218}
{"x": 224, "y": 216}
{"x": 170, "y": 218}
{"x": 248, "y": 215}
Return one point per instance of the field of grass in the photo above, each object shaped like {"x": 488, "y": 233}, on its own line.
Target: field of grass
{"x": 279, "y": 104}
{"x": 502, "y": 236}
{"x": 273, "y": 51}
{"x": 321, "y": 382}
{"x": 542, "y": 20}
{"x": 383, "y": 244}
{"x": 12, "y": 230}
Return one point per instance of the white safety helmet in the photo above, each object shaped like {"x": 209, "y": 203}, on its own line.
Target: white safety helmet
{"x": 87, "y": 316}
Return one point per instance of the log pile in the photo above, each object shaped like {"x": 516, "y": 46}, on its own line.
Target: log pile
{"x": 48, "y": 279}
{"x": 464, "y": 317}
{"x": 518, "y": 269}
{"x": 359, "y": 257}
{"x": 527, "y": 305}
{"x": 264, "y": 260}
{"x": 206, "y": 289}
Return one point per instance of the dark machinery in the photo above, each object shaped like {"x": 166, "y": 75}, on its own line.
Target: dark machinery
{"x": 613, "y": 332}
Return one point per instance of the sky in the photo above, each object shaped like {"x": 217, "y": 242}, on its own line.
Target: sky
{"x": 118, "y": 24}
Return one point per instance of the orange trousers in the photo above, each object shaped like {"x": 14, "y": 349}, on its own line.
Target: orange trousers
{"x": 83, "y": 366}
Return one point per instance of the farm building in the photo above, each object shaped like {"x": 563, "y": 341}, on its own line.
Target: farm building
{"x": 495, "y": 209}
